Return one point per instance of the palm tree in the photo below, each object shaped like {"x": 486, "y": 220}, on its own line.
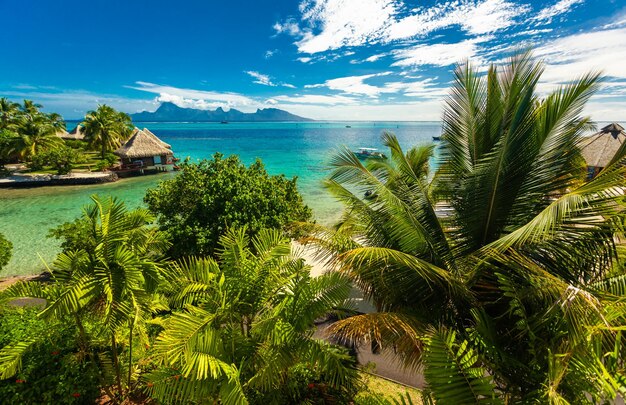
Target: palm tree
{"x": 31, "y": 109}
{"x": 106, "y": 128}
{"x": 114, "y": 275}
{"x": 241, "y": 323}
{"x": 35, "y": 136}
{"x": 514, "y": 294}
{"x": 9, "y": 114}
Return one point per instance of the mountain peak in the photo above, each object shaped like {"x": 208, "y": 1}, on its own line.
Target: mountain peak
{"x": 170, "y": 112}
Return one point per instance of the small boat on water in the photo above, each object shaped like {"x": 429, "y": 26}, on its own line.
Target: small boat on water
{"x": 224, "y": 122}
{"x": 369, "y": 153}
{"x": 348, "y": 126}
{"x": 436, "y": 138}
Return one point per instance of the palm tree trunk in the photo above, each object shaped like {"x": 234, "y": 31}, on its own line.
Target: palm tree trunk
{"x": 130, "y": 351}
{"x": 116, "y": 363}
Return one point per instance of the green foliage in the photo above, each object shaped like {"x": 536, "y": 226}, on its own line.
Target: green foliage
{"x": 74, "y": 235}
{"x": 6, "y": 248}
{"x": 454, "y": 372}
{"x": 62, "y": 159}
{"x": 241, "y": 327}
{"x": 518, "y": 280}
{"x": 112, "y": 274}
{"x": 105, "y": 128}
{"x": 106, "y": 162}
{"x": 204, "y": 199}
{"x": 53, "y": 371}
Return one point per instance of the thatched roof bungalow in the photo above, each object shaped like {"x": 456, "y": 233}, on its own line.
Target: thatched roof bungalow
{"x": 145, "y": 151}
{"x": 600, "y": 148}
{"x": 147, "y": 131}
{"x": 77, "y": 134}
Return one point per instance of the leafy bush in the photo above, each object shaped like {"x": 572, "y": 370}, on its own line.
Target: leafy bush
{"x": 61, "y": 159}
{"x": 53, "y": 371}
{"x": 5, "y": 251}
{"x": 38, "y": 161}
{"x": 64, "y": 159}
{"x": 106, "y": 162}
{"x": 206, "y": 198}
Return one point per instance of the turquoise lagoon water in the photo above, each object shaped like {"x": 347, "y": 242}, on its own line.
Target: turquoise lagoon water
{"x": 294, "y": 149}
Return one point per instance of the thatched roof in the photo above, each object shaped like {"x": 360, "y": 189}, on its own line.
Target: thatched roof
{"x": 77, "y": 134}
{"x": 600, "y": 148}
{"x": 147, "y": 131}
{"x": 142, "y": 145}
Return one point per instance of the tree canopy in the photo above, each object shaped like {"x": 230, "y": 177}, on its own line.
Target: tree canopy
{"x": 206, "y": 198}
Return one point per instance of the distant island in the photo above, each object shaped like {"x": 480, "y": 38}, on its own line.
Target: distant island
{"x": 170, "y": 112}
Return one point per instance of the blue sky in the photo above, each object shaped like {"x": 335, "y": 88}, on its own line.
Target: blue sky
{"x": 324, "y": 59}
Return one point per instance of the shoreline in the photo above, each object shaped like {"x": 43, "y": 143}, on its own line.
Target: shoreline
{"x": 43, "y": 180}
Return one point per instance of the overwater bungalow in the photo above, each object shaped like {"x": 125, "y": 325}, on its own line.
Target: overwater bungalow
{"x": 144, "y": 152}
{"x": 600, "y": 148}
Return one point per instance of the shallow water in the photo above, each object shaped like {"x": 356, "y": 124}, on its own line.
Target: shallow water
{"x": 294, "y": 149}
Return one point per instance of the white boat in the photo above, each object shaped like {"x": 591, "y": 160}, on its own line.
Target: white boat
{"x": 369, "y": 153}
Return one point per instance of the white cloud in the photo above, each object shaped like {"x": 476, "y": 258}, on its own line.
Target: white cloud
{"x": 374, "y": 58}
{"x": 195, "y": 98}
{"x": 270, "y": 52}
{"x": 261, "y": 78}
{"x": 574, "y": 55}
{"x": 333, "y": 24}
{"x": 561, "y": 7}
{"x": 343, "y": 23}
{"x": 266, "y": 80}
{"x": 353, "y": 84}
{"x": 305, "y": 59}
{"x": 319, "y": 99}
{"x": 288, "y": 27}
{"x": 439, "y": 54}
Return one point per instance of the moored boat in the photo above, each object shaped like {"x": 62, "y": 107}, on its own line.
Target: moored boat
{"x": 369, "y": 153}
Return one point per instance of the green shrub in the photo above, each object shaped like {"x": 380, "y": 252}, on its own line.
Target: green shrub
{"x": 61, "y": 159}
{"x": 53, "y": 371}
{"x": 38, "y": 161}
{"x": 6, "y": 248}
{"x": 64, "y": 159}
{"x": 204, "y": 199}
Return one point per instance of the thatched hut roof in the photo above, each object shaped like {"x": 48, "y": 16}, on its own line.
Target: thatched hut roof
{"x": 142, "y": 145}
{"x": 600, "y": 148}
{"x": 77, "y": 134}
{"x": 147, "y": 131}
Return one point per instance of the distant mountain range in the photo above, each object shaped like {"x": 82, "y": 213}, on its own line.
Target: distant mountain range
{"x": 170, "y": 112}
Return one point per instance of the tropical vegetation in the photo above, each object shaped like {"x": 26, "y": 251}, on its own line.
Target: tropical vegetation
{"x": 205, "y": 199}
{"x": 6, "y": 248}
{"x": 497, "y": 275}
{"x": 29, "y": 135}
{"x": 105, "y": 128}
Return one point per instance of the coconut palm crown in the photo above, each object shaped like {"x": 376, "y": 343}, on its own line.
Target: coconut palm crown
{"x": 106, "y": 128}
{"x": 497, "y": 273}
